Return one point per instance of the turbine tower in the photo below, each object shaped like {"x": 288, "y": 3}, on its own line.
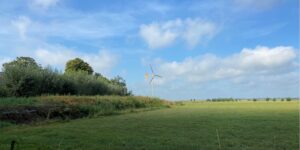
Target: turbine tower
{"x": 153, "y": 76}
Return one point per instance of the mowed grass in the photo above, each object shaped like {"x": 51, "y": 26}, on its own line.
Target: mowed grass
{"x": 194, "y": 125}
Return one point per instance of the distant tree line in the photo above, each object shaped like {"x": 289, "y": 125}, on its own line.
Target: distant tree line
{"x": 24, "y": 77}
{"x": 222, "y": 100}
{"x": 254, "y": 99}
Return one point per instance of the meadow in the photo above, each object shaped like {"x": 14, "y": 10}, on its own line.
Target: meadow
{"x": 243, "y": 125}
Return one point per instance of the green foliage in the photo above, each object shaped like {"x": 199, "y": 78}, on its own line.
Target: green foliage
{"x": 23, "y": 77}
{"x": 267, "y": 99}
{"x": 78, "y": 64}
{"x": 288, "y": 99}
{"x": 3, "y": 90}
{"x": 254, "y": 99}
{"x": 22, "y": 62}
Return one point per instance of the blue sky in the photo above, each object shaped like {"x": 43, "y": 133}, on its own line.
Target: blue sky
{"x": 202, "y": 48}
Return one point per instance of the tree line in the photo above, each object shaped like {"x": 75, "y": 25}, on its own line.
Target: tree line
{"x": 25, "y": 77}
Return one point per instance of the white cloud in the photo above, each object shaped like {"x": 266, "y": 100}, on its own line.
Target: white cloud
{"x": 44, "y": 4}
{"x": 102, "y": 62}
{"x": 258, "y": 72}
{"x": 22, "y": 24}
{"x": 87, "y": 26}
{"x": 255, "y": 4}
{"x": 198, "y": 31}
{"x": 193, "y": 31}
{"x": 249, "y": 62}
{"x": 160, "y": 35}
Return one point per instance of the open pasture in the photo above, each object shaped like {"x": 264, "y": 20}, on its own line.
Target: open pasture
{"x": 193, "y": 125}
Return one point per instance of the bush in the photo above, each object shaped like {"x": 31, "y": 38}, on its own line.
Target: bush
{"x": 21, "y": 81}
{"x": 23, "y": 77}
{"x": 3, "y": 91}
{"x": 288, "y": 99}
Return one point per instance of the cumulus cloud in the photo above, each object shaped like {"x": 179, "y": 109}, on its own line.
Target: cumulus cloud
{"x": 197, "y": 31}
{"x": 193, "y": 31}
{"x": 160, "y": 35}
{"x": 22, "y": 24}
{"x": 44, "y": 4}
{"x": 254, "y": 4}
{"x": 249, "y": 62}
{"x": 102, "y": 62}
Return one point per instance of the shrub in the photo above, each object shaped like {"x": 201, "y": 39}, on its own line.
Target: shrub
{"x": 21, "y": 81}
{"x": 23, "y": 77}
{"x": 288, "y": 99}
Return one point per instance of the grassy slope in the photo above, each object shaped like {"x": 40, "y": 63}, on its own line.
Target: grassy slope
{"x": 70, "y": 107}
{"x": 241, "y": 125}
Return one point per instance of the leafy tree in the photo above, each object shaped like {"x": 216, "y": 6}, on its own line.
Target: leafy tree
{"x": 274, "y": 99}
{"x": 78, "y": 64}
{"x": 121, "y": 85}
{"x": 3, "y": 90}
{"x": 21, "y": 77}
{"x": 254, "y": 99}
{"x": 24, "y": 77}
{"x": 267, "y": 99}
{"x": 22, "y": 62}
{"x": 288, "y": 99}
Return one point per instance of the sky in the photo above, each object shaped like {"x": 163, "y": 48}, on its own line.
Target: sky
{"x": 201, "y": 48}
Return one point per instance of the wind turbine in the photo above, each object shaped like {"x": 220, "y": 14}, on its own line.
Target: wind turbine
{"x": 153, "y": 76}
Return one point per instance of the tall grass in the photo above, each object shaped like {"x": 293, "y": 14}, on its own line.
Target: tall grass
{"x": 48, "y": 107}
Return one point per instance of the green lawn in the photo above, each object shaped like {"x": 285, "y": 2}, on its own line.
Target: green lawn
{"x": 241, "y": 126}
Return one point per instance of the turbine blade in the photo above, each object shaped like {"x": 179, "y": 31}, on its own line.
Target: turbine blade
{"x": 151, "y": 69}
{"x": 151, "y": 80}
{"x": 158, "y": 76}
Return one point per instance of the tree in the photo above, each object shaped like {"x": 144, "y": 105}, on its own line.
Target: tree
{"x": 78, "y": 64}
{"x": 267, "y": 99}
{"x": 24, "y": 62}
{"x": 120, "y": 83}
{"x": 21, "y": 77}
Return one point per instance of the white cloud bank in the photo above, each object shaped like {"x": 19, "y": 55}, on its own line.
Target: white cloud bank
{"x": 193, "y": 31}
{"x": 260, "y": 61}
{"x": 101, "y": 62}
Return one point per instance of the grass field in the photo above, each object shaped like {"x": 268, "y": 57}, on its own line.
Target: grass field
{"x": 194, "y": 125}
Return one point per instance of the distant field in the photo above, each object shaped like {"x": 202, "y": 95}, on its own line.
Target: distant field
{"x": 193, "y": 125}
